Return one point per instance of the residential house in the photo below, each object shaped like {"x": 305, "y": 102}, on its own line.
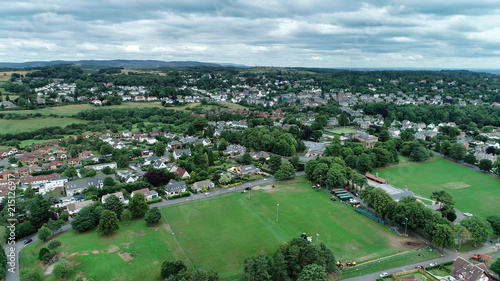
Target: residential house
{"x": 182, "y": 173}
{"x": 148, "y": 194}
{"x": 52, "y": 184}
{"x": 178, "y": 153}
{"x": 23, "y": 171}
{"x": 37, "y": 181}
{"x": 199, "y": 185}
{"x": 77, "y": 186}
{"x": 260, "y": 154}
{"x": 151, "y": 159}
{"x": 55, "y": 164}
{"x": 74, "y": 208}
{"x": 99, "y": 167}
{"x": 146, "y": 152}
{"x": 158, "y": 164}
{"x": 118, "y": 194}
{"x": 127, "y": 176}
{"x": 175, "y": 187}
{"x": 234, "y": 150}
{"x": 73, "y": 162}
{"x": 367, "y": 140}
{"x": 466, "y": 271}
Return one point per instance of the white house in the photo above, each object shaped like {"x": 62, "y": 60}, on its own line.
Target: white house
{"x": 148, "y": 194}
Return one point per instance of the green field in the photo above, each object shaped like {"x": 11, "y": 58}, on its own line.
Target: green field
{"x": 98, "y": 257}
{"x": 235, "y": 226}
{"x": 473, "y": 191}
{"x": 67, "y": 110}
{"x": 341, "y": 131}
{"x": 16, "y": 126}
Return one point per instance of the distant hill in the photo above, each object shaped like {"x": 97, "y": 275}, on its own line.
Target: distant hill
{"x": 113, "y": 63}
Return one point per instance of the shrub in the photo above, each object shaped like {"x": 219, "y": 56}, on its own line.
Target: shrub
{"x": 44, "y": 254}
{"x": 62, "y": 269}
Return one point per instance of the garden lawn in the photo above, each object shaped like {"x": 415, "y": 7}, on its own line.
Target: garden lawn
{"x": 473, "y": 191}
{"x": 16, "y": 126}
{"x": 220, "y": 232}
{"x": 97, "y": 257}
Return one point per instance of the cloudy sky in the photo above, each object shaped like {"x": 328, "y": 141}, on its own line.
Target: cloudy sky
{"x": 316, "y": 33}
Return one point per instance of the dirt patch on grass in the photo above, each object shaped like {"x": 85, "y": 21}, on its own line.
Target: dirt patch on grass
{"x": 413, "y": 244}
{"x": 48, "y": 270}
{"x": 126, "y": 245}
{"x": 366, "y": 258}
{"x": 126, "y": 257}
{"x": 156, "y": 262}
{"x": 113, "y": 248}
{"x": 86, "y": 253}
{"x": 95, "y": 252}
{"x": 155, "y": 228}
{"x": 455, "y": 185}
{"x": 138, "y": 233}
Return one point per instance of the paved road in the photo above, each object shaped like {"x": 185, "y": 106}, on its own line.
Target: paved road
{"x": 217, "y": 192}
{"x": 13, "y": 275}
{"x": 449, "y": 255}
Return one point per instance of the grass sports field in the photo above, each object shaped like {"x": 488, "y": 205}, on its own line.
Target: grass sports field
{"x": 16, "y": 126}
{"x": 99, "y": 257}
{"x": 341, "y": 131}
{"x": 235, "y": 226}
{"x": 473, "y": 191}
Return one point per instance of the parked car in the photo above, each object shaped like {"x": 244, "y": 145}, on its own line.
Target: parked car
{"x": 382, "y": 275}
{"x": 27, "y": 241}
{"x": 420, "y": 266}
{"x": 433, "y": 263}
{"x": 468, "y": 214}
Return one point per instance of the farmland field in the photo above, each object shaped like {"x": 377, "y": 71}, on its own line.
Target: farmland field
{"x": 237, "y": 225}
{"x": 16, "y": 126}
{"x": 98, "y": 257}
{"x": 474, "y": 192}
{"x": 67, "y": 110}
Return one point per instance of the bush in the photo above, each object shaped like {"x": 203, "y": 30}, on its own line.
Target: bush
{"x": 185, "y": 194}
{"x": 153, "y": 215}
{"x": 62, "y": 269}
{"x": 29, "y": 274}
{"x": 154, "y": 201}
{"x": 44, "y": 254}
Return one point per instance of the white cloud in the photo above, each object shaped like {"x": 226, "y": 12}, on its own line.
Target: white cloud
{"x": 318, "y": 33}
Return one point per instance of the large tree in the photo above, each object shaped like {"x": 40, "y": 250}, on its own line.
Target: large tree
{"x": 44, "y": 233}
{"x": 495, "y": 267}
{"x": 444, "y": 198}
{"x": 153, "y": 215}
{"x": 364, "y": 163}
{"x": 312, "y": 272}
{"x": 113, "y": 203}
{"x": 138, "y": 206}
{"x": 171, "y": 268}
{"x": 274, "y": 162}
{"x": 108, "y": 223}
{"x": 479, "y": 229}
{"x": 257, "y": 269}
{"x": 494, "y": 222}
{"x": 85, "y": 219}
{"x": 335, "y": 176}
{"x": 159, "y": 148}
{"x": 457, "y": 151}
{"x": 442, "y": 235}
{"x": 485, "y": 165}
{"x": 38, "y": 208}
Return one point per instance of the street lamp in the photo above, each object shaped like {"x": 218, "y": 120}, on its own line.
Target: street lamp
{"x": 406, "y": 225}
{"x": 277, "y": 212}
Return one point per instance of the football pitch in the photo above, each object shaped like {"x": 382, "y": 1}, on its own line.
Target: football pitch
{"x": 474, "y": 192}
{"x": 219, "y": 233}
